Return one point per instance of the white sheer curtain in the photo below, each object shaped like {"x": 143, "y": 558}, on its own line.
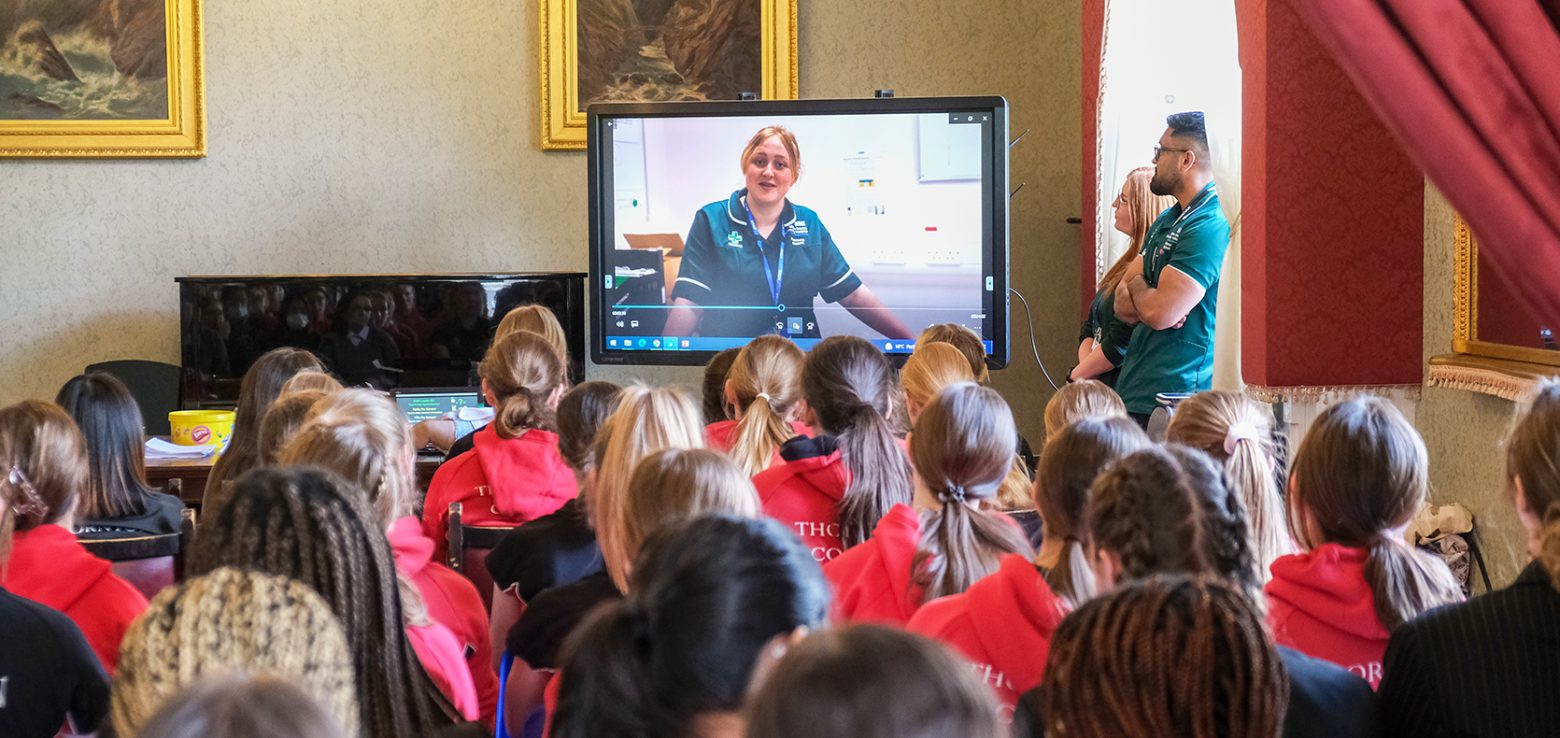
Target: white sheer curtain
{"x": 1162, "y": 58}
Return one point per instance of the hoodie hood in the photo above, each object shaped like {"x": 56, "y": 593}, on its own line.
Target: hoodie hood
{"x": 1020, "y": 613}
{"x": 518, "y": 468}
{"x": 1328, "y": 585}
{"x": 49, "y": 567}
{"x": 814, "y": 464}
{"x": 411, "y": 549}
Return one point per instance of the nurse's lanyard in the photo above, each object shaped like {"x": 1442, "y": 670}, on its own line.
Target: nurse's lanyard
{"x": 776, "y": 277}
{"x": 1197, "y": 204}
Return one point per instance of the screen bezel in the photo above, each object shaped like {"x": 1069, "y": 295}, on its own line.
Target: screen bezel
{"x": 600, "y": 114}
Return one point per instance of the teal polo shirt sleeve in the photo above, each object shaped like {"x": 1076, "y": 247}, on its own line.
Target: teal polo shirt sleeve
{"x": 694, "y": 283}
{"x": 1200, "y": 252}
{"x": 836, "y": 280}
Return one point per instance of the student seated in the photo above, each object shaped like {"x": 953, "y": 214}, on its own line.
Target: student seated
{"x": 453, "y": 433}
{"x": 761, "y": 394}
{"x": 261, "y": 385}
{"x": 835, "y": 486}
{"x": 868, "y": 681}
{"x": 963, "y": 446}
{"x": 1077, "y": 400}
{"x": 1358, "y": 478}
{"x": 714, "y": 600}
{"x": 239, "y": 706}
{"x": 116, "y": 502}
{"x": 1487, "y": 667}
{"x": 44, "y": 459}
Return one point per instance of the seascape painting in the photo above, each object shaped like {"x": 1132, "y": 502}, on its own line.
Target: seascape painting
{"x": 88, "y": 60}
{"x": 663, "y": 50}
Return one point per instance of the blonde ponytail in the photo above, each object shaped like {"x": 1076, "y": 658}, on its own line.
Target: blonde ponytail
{"x": 765, "y": 383}
{"x": 522, "y": 370}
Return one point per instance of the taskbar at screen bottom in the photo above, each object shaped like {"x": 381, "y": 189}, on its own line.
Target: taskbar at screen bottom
{"x": 702, "y": 343}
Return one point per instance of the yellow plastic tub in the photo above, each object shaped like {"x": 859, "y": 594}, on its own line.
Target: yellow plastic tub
{"x": 201, "y": 427}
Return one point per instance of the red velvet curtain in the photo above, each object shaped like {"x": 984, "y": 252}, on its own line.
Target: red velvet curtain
{"x": 1472, "y": 89}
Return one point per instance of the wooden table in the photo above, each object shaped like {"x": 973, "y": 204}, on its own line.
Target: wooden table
{"x": 186, "y": 478}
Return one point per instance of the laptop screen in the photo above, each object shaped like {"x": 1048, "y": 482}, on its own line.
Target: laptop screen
{"x": 420, "y": 405}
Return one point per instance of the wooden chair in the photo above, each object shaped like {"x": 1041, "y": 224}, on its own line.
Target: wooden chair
{"x": 148, "y": 563}
{"x": 467, "y": 550}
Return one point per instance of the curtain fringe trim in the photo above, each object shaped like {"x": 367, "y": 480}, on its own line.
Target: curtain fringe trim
{"x": 1482, "y": 381}
{"x": 1314, "y": 393}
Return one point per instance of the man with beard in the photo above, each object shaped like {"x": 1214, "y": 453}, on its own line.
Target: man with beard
{"x": 1173, "y": 292}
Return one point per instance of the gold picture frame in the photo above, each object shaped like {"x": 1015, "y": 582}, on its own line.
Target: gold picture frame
{"x": 1465, "y": 308}
{"x": 562, "y": 117}
{"x": 181, "y": 134}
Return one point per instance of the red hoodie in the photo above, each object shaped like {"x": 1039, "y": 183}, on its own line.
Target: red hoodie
{"x": 452, "y": 602}
{"x": 1320, "y": 604}
{"x": 49, "y": 567}
{"x": 525, "y": 479}
{"x": 872, "y": 581}
{"x": 1003, "y": 623}
{"x": 805, "y": 495}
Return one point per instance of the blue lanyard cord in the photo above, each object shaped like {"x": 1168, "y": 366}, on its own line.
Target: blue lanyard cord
{"x": 773, "y": 277}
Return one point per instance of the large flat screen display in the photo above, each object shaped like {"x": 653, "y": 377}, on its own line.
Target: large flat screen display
{"x": 713, "y": 223}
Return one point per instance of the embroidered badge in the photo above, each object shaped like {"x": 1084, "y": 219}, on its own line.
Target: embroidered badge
{"x": 798, "y": 241}
{"x": 734, "y": 240}
{"x": 799, "y": 228}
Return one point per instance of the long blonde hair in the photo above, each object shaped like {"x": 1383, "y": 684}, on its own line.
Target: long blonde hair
{"x": 359, "y": 435}
{"x": 963, "y": 338}
{"x": 1077, "y": 400}
{"x": 538, "y": 320}
{"x": 1361, "y": 471}
{"x": 1533, "y": 458}
{"x": 1144, "y": 207}
{"x": 963, "y": 446}
{"x": 1238, "y": 433}
{"x": 932, "y": 367}
{"x": 765, "y": 381}
{"x": 679, "y": 483}
{"x": 645, "y": 421}
{"x": 523, "y": 371}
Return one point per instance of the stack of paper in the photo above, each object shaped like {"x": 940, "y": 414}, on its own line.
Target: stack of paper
{"x": 157, "y": 448}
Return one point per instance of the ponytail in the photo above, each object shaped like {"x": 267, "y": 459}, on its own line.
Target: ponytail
{"x": 1533, "y": 466}
{"x": 963, "y": 447}
{"x": 522, "y": 370}
{"x": 1406, "y": 582}
{"x": 763, "y": 381}
{"x": 1068, "y": 465}
{"x": 849, "y": 386}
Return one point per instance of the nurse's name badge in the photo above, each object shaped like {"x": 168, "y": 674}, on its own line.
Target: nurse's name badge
{"x": 734, "y": 240}
{"x": 799, "y": 228}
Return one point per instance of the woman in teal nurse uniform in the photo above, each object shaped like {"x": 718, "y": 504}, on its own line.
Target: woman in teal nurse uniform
{"x": 753, "y": 262}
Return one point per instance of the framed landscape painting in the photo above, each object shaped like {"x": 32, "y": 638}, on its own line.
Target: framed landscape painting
{"x": 101, "y": 78}
{"x": 656, "y": 51}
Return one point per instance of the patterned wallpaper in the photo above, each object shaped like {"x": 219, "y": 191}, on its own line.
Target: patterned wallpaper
{"x": 406, "y": 141}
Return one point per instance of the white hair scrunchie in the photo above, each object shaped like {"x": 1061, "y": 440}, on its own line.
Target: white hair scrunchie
{"x": 1242, "y": 431}
{"x": 765, "y": 396}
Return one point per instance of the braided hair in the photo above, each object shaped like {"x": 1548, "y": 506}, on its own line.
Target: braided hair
{"x": 1178, "y": 656}
{"x": 308, "y": 524}
{"x": 232, "y": 620}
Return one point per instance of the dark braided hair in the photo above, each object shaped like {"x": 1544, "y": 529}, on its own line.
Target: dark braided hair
{"x": 1166, "y": 510}
{"x": 307, "y": 524}
{"x": 1165, "y": 656}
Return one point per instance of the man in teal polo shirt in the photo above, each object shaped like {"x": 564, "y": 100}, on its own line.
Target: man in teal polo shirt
{"x": 1174, "y": 291}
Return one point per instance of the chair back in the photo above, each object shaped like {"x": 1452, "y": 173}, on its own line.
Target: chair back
{"x": 467, "y": 550}
{"x": 148, "y": 563}
{"x": 153, "y": 384}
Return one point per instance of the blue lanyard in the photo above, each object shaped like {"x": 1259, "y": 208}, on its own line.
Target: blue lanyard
{"x": 777, "y": 276}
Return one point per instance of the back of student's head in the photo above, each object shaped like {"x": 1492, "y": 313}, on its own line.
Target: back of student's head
{"x": 1166, "y": 510}
{"x": 359, "y": 435}
{"x": 239, "y": 706}
{"x": 849, "y": 387}
{"x": 283, "y": 420}
{"x": 1533, "y": 466}
{"x": 45, "y": 449}
{"x": 709, "y": 595}
{"x": 581, "y": 412}
{"x": 310, "y": 380}
{"x": 712, "y": 391}
{"x": 1069, "y": 464}
{"x": 1238, "y": 433}
{"x": 966, "y": 340}
{"x": 930, "y": 369}
{"x": 260, "y": 387}
{"x": 110, "y": 423}
{"x": 232, "y": 620}
{"x": 523, "y": 371}
{"x": 1361, "y": 472}
{"x": 538, "y": 320}
{"x": 764, "y": 384}
{"x": 963, "y": 447}
{"x": 870, "y": 681}
{"x": 645, "y": 421}
{"x": 1165, "y": 656}
{"x": 1077, "y": 400}
{"x": 308, "y": 524}
{"x": 670, "y": 485}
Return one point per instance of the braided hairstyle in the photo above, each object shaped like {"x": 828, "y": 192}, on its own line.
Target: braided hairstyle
{"x": 764, "y": 385}
{"x": 963, "y": 446}
{"x": 849, "y": 386}
{"x": 1165, "y": 656}
{"x": 709, "y": 594}
{"x": 308, "y": 524}
{"x": 232, "y": 620}
{"x": 1362, "y": 471}
{"x": 1069, "y": 464}
{"x": 523, "y": 370}
{"x": 1166, "y": 510}
{"x": 1533, "y": 463}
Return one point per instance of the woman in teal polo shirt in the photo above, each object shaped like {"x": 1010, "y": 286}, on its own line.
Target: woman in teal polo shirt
{"x": 753, "y": 262}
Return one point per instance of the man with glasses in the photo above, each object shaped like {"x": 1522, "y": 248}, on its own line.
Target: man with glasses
{"x": 1172, "y": 292}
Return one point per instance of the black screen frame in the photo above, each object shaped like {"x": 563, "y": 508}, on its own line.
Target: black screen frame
{"x": 994, "y": 197}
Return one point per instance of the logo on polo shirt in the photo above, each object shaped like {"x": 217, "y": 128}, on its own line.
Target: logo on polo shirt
{"x": 799, "y": 228}
{"x": 734, "y": 240}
